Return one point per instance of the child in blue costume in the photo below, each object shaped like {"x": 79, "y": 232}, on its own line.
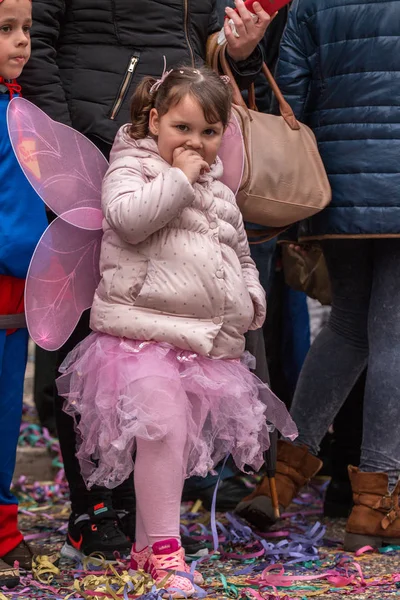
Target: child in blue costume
{"x": 22, "y": 222}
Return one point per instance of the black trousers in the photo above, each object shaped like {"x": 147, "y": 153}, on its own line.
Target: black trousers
{"x": 43, "y": 388}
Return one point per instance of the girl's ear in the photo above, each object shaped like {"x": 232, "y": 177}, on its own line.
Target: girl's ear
{"x": 154, "y": 121}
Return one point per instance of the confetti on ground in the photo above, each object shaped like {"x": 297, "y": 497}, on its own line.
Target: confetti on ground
{"x": 300, "y": 559}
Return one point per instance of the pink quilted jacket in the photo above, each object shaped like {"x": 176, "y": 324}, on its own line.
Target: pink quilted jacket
{"x": 175, "y": 262}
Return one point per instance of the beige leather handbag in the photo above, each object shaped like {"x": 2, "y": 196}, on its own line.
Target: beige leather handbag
{"x": 284, "y": 179}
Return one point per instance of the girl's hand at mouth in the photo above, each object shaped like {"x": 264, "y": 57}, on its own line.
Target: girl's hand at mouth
{"x": 190, "y": 162}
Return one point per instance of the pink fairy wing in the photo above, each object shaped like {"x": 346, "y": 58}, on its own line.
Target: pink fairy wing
{"x": 231, "y": 153}
{"x": 67, "y": 171}
{"x": 62, "y": 277}
{"x": 62, "y": 165}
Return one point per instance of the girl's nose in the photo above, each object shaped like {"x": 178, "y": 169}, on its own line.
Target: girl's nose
{"x": 194, "y": 142}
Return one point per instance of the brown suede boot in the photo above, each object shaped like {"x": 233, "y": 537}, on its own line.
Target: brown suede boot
{"x": 375, "y": 518}
{"x": 9, "y": 575}
{"x": 294, "y": 468}
{"x": 23, "y": 553}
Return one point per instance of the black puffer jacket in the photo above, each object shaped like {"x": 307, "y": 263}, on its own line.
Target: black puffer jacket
{"x": 88, "y": 55}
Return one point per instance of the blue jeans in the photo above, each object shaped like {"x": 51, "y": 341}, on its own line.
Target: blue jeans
{"x": 363, "y": 331}
{"x": 13, "y": 355}
{"x": 263, "y": 255}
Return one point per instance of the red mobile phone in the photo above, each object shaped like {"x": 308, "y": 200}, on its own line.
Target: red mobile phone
{"x": 270, "y": 6}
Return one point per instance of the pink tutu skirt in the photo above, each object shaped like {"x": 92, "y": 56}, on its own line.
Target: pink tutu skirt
{"x": 119, "y": 391}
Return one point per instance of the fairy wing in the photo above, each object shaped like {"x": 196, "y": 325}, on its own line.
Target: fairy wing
{"x": 231, "y": 153}
{"x": 63, "y": 166}
{"x": 62, "y": 278}
{"x": 66, "y": 170}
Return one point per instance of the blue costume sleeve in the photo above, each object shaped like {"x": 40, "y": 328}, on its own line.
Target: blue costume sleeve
{"x": 22, "y": 212}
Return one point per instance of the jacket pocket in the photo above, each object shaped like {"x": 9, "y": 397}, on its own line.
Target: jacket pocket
{"x": 124, "y": 87}
{"x": 141, "y": 296}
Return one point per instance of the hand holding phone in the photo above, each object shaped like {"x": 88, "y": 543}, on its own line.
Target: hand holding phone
{"x": 270, "y": 6}
{"x": 244, "y": 29}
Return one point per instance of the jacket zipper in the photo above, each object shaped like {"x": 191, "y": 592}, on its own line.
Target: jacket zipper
{"x": 124, "y": 87}
{"x": 186, "y": 24}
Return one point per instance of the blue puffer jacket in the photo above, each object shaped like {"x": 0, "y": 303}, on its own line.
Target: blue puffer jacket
{"x": 339, "y": 68}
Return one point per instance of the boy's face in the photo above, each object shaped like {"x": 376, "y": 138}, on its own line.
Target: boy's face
{"x": 15, "y": 43}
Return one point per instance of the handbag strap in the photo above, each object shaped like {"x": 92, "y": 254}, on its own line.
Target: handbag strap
{"x": 220, "y": 59}
{"x": 285, "y": 109}
{"x": 215, "y": 56}
{"x": 212, "y": 48}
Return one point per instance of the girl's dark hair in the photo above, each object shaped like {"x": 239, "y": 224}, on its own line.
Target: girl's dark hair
{"x": 212, "y": 93}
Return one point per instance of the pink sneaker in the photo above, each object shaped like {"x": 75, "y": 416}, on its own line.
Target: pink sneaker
{"x": 139, "y": 560}
{"x": 168, "y": 557}
{"x": 197, "y": 576}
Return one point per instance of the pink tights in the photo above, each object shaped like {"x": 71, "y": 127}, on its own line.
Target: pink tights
{"x": 159, "y": 476}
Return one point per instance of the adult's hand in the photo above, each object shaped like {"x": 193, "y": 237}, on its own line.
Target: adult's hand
{"x": 302, "y": 249}
{"x": 249, "y": 30}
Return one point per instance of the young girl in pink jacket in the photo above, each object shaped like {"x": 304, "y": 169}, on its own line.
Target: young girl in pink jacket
{"x": 160, "y": 386}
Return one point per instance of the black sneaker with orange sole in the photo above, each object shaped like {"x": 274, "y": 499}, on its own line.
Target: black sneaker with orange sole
{"x": 98, "y": 532}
